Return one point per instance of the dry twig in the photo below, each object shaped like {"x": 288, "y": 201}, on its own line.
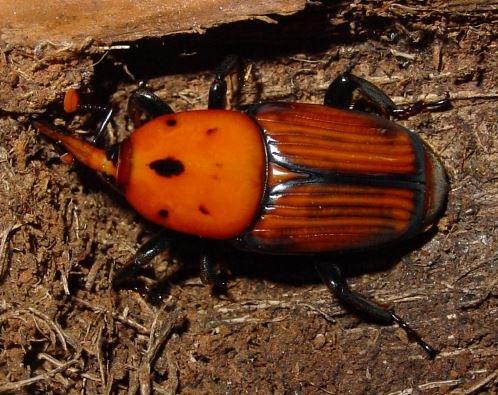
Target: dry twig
{"x": 17, "y": 385}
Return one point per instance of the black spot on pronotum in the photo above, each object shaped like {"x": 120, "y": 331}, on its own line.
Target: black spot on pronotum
{"x": 211, "y": 131}
{"x": 167, "y": 167}
{"x": 163, "y": 213}
{"x": 171, "y": 122}
{"x": 204, "y": 210}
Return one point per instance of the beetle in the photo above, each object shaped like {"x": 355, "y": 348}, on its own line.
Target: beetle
{"x": 275, "y": 178}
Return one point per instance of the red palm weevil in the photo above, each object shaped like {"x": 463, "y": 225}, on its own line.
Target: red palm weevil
{"x": 275, "y": 178}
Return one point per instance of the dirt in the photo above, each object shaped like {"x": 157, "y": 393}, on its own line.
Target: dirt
{"x": 64, "y": 233}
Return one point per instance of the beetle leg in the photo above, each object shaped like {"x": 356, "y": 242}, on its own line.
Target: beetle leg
{"x": 209, "y": 272}
{"x": 143, "y": 101}
{"x": 218, "y": 90}
{"x": 419, "y": 106}
{"x": 125, "y": 278}
{"x": 340, "y": 95}
{"x": 108, "y": 112}
{"x": 99, "y": 135}
{"x": 332, "y": 277}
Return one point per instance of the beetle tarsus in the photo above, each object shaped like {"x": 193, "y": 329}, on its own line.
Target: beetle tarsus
{"x": 419, "y": 106}
{"x": 431, "y": 352}
{"x": 332, "y": 277}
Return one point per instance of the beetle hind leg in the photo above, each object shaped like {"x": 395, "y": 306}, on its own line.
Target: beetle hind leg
{"x": 332, "y": 277}
{"x": 340, "y": 95}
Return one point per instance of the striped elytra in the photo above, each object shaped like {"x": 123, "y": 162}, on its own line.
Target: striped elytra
{"x": 341, "y": 180}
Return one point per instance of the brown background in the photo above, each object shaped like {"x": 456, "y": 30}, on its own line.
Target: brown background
{"x": 63, "y": 233}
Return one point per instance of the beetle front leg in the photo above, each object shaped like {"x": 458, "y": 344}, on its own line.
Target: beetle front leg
{"x": 332, "y": 277}
{"x": 340, "y": 95}
{"x": 143, "y": 101}
{"x": 126, "y": 277}
{"x": 209, "y": 273}
{"x": 218, "y": 90}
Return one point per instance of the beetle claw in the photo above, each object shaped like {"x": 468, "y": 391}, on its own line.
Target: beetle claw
{"x": 413, "y": 335}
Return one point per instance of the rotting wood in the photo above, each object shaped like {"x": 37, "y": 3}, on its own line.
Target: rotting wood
{"x": 107, "y": 21}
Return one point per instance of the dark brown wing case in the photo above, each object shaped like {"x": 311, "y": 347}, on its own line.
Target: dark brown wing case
{"x": 337, "y": 180}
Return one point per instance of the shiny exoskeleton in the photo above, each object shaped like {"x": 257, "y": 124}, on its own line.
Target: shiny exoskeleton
{"x": 274, "y": 178}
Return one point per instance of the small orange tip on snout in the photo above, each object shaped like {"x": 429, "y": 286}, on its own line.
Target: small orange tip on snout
{"x": 71, "y": 100}
{"x": 89, "y": 155}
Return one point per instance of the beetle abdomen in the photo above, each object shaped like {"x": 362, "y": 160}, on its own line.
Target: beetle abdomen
{"x": 338, "y": 180}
